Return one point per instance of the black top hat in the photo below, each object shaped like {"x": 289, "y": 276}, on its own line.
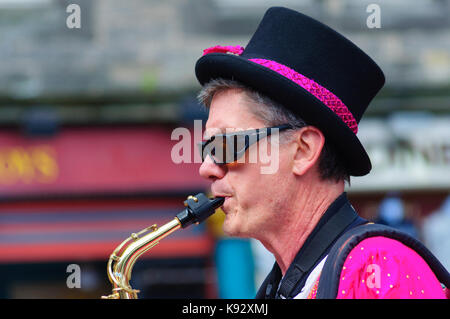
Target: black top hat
{"x": 310, "y": 69}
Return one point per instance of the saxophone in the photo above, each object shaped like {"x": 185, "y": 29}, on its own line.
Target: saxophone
{"x": 121, "y": 262}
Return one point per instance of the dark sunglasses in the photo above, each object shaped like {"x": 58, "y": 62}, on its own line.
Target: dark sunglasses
{"x": 228, "y": 148}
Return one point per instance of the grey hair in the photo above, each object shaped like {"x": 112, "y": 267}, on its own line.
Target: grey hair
{"x": 272, "y": 114}
{"x": 263, "y": 107}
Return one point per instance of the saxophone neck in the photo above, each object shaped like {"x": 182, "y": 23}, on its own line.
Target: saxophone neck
{"x": 123, "y": 258}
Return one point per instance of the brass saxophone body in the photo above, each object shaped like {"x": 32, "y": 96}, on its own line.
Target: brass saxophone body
{"x": 121, "y": 262}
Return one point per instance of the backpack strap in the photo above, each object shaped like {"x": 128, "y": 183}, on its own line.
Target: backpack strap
{"x": 310, "y": 254}
{"x": 329, "y": 278}
{"x": 338, "y": 219}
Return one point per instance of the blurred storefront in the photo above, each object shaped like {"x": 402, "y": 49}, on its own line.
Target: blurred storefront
{"x": 410, "y": 179}
{"x": 72, "y": 197}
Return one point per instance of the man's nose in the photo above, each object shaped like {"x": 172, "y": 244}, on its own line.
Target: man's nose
{"x": 211, "y": 170}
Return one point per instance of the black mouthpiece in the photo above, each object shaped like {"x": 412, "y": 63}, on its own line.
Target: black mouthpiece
{"x": 198, "y": 208}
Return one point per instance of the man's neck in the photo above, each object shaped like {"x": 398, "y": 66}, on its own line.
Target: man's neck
{"x": 299, "y": 221}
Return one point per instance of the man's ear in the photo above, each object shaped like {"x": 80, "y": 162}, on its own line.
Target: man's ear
{"x": 309, "y": 142}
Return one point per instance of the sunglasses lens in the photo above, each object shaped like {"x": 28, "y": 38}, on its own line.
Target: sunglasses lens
{"x": 222, "y": 149}
{"x": 230, "y": 148}
{"x": 214, "y": 148}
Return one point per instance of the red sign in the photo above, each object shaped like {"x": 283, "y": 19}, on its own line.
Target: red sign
{"x": 90, "y": 230}
{"x": 91, "y": 160}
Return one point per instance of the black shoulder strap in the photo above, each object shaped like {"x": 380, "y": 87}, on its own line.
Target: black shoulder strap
{"x": 267, "y": 289}
{"x": 312, "y": 251}
{"x": 329, "y": 278}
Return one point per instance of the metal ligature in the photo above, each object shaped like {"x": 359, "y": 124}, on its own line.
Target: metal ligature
{"x": 121, "y": 262}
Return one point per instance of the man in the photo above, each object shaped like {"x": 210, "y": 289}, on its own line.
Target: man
{"x": 305, "y": 88}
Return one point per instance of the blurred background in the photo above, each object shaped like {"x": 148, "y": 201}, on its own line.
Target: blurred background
{"x": 86, "y": 117}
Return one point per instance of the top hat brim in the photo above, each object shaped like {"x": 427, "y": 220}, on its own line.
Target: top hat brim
{"x": 293, "y": 97}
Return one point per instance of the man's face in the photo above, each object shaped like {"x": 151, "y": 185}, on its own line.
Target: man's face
{"x": 252, "y": 198}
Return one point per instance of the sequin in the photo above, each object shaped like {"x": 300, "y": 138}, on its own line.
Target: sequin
{"x": 400, "y": 278}
{"x": 233, "y": 49}
{"x": 312, "y": 294}
{"x": 324, "y": 95}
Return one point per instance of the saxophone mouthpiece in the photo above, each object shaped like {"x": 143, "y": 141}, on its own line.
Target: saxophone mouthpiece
{"x": 198, "y": 208}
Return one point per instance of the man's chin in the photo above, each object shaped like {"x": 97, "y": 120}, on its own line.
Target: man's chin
{"x": 231, "y": 228}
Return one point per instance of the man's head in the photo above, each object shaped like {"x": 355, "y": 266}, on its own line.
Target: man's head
{"x": 296, "y": 71}
{"x": 305, "y": 157}
{"x": 308, "y": 68}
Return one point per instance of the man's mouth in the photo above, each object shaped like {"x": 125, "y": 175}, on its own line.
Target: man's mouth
{"x": 224, "y": 196}
{"x": 227, "y": 197}
{"x": 220, "y": 195}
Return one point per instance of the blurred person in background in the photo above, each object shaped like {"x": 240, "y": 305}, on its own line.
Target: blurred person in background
{"x": 300, "y": 89}
{"x": 392, "y": 213}
{"x": 435, "y": 231}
